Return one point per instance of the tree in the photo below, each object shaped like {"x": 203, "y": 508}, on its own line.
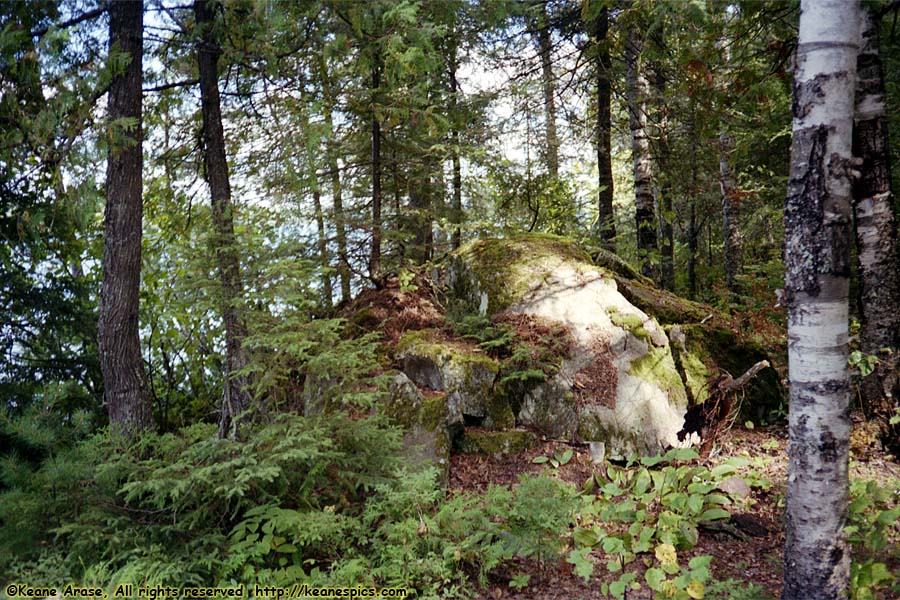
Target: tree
{"x": 640, "y": 150}
{"x": 606, "y": 222}
{"x": 876, "y": 233}
{"x": 543, "y": 33}
{"x": 236, "y": 398}
{"x": 817, "y": 270}
{"x": 124, "y": 380}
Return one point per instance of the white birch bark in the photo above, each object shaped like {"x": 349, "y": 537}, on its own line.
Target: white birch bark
{"x": 817, "y": 244}
{"x": 876, "y": 234}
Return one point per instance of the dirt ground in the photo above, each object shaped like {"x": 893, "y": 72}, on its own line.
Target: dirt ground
{"x": 756, "y": 560}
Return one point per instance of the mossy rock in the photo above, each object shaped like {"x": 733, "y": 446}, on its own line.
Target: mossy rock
{"x": 491, "y": 274}
{"x": 463, "y": 372}
{"x": 492, "y": 443}
{"x": 424, "y": 419}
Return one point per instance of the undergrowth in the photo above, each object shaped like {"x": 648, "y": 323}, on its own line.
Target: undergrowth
{"x": 329, "y": 501}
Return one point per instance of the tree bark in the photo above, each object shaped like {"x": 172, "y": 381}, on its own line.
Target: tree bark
{"x": 640, "y": 150}
{"x": 337, "y": 200}
{"x": 322, "y": 243}
{"x": 375, "y": 256}
{"x": 125, "y": 382}
{"x": 457, "y": 215}
{"x": 421, "y": 190}
{"x": 817, "y": 273}
{"x": 606, "y": 222}
{"x": 545, "y": 48}
{"x": 236, "y": 397}
{"x": 665, "y": 212}
{"x": 876, "y": 234}
{"x": 730, "y": 224}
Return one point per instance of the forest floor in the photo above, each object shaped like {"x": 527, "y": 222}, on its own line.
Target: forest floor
{"x": 756, "y": 560}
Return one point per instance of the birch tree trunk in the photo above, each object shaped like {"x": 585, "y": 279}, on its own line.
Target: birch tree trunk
{"x": 640, "y": 151}
{"x": 606, "y": 222}
{"x": 876, "y": 233}
{"x": 236, "y": 398}
{"x": 817, "y": 270}
{"x": 124, "y": 380}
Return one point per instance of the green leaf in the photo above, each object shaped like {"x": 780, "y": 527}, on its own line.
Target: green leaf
{"x": 714, "y": 514}
{"x": 654, "y": 578}
{"x": 539, "y": 460}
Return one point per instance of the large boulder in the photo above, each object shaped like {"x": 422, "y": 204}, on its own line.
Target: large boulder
{"x": 633, "y": 359}
{"x": 620, "y": 384}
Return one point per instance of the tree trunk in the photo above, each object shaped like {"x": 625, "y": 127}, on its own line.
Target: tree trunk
{"x": 665, "y": 212}
{"x": 375, "y": 257}
{"x": 606, "y": 222}
{"x": 876, "y": 234}
{"x": 457, "y": 209}
{"x": 124, "y": 379}
{"x": 545, "y": 47}
{"x": 420, "y": 209}
{"x": 640, "y": 150}
{"x": 692, "y": 251}
{"x": 322, "y": 243}
{"x": 730, "y": 225}
{"x": 340, "y": 233}
{"x": 817, "y": 273}
{"x": 236, "y": 397}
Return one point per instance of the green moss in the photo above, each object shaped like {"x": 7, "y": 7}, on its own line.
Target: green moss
{"x": 666, "y": 307}
{"x": 630, "y": 322}
{"x": 658, "y": 367}
{"x": 499, "y": 410}
{"x": 496, "y": 442}
{"x": 697, "y": 375}
{"x": 616, "y": 264}
{"x": 506, "y": 269}
{"x": 720, "y": 348}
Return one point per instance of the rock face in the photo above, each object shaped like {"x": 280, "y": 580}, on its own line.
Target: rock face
{"x": 624, "y": 381}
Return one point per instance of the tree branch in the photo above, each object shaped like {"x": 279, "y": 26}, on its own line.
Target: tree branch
{"x": 91, "y": 14}
{"x": 170, "y": 85}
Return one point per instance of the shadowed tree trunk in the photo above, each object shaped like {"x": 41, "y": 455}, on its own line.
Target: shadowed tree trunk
{"x": 375, "y": 256}
{"x": 817, "y": 275}
{"x": 640, "y": 151}
{"x": 236, "y": 398}
{"x": 606, "y": 222}
{"x": 124, "y": 379}
{"x": 457, "y": 215}
{"x": 421, "y": 192}
{"x": 337, "y": 200}
{"x": 665, "y": 212}
{"x": 876, "y": 234}
{"x": 730, "y": 224}
{"x": 322, "y": 242}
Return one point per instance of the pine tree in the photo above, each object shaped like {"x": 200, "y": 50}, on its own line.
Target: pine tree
{"x": 124, "y": 380}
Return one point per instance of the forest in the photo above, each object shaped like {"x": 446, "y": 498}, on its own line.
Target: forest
{"x": 480, "y": 299}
